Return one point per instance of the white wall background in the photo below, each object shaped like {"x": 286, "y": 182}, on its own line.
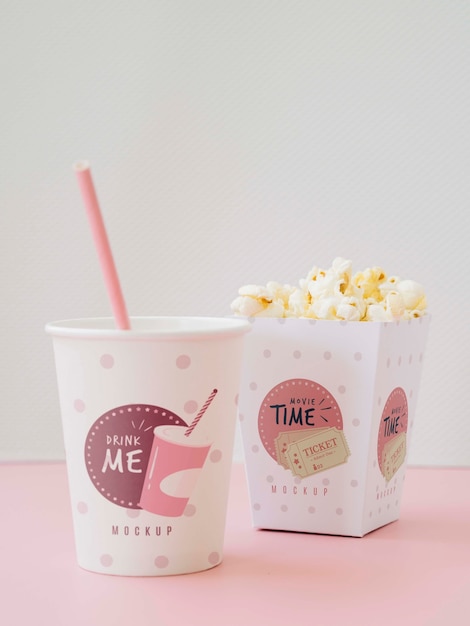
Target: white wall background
{"x": 231, "y": 141}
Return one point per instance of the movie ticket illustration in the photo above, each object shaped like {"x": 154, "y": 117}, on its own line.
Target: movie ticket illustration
{"x": 393, "y": 455}
{"x": 284, "y": 439}
{"x": 318, "y": 452}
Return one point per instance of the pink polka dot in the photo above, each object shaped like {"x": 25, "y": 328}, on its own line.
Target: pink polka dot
{"x": 79, "y": 405}
{"x": 327, "y": 356}
{"x": 106, "y": 560}
{"x": 356, "y": 422}
{"x": 190, "y": 406}
{"x": 183, "y": 361}
{"x": 270, "y": 479}
{"x": 284, "y": 508}
{"x": 133, "y": 512}
{"x": 326, "y": 481}
{"x": 82, "y": 507}
{"x": 354, "y": 483}
{"x": 215, "y": 456}
{"x": 339, "y": 511}
{"x": 255, "y": 448}
{"x": 297, "y": 354}
{"x": 311, "y": 509}
{"x": 358, "y": 356}
{"x": 161, "y": 562}
{"x": 253, "y": 386}
{"x": 267, "y": 354}
{"x": 214, "y": 558}
{"x": 107, "y": 361}
{"x": 256, "y": 506}
{"x": 189, "y": 510}
{"x": 241, "y": 417}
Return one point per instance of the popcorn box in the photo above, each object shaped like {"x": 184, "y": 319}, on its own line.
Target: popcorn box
{"x": 326, "y": 412}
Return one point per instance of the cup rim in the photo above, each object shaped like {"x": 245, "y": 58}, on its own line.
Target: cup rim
{"x": 165, "y": 327}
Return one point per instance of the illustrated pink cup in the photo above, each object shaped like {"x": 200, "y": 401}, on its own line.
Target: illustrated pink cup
{"x": 175, "y": 463}
{"x": 148, "y": 417}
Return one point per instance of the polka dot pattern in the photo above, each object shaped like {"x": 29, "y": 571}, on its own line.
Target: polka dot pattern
{"x": 215, "y": 456}
{"x": 106, "y": 560}
{"x": 190, "y": 510}
{"x": 190, "y": 406}
{"x": 214, "y": 558}
{"x": 162, "y": 562}
{"x": 79, "y": 405}
{"x": 183, "y": 362}
{"x": 107, "y": 361}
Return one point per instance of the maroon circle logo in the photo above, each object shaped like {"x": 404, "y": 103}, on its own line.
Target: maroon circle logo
{"x": 391, "y": 444}
{"x": 295, "y": 406}
{"x": 117, "y": 450}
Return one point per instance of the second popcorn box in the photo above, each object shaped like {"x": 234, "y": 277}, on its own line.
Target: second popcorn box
{"x": 326, "y": 412}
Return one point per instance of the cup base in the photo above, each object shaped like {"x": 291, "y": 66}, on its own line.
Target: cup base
{"x": 160, "y": 567}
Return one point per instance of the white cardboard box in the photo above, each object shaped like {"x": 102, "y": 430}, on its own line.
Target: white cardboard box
{"x": 326, "y": 411}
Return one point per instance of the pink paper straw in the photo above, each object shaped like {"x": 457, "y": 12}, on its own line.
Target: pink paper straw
{"x": 195, "y": 421}
{"x": 111, "y": 279}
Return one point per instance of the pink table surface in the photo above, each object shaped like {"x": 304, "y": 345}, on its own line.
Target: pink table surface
{"x": 412, "y": 572}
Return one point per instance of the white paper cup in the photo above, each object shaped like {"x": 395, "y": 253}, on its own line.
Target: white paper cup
{"x": 147, "y": 499}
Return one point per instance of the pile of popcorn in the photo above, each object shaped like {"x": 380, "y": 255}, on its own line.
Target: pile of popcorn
{"x": 336, "y": 294}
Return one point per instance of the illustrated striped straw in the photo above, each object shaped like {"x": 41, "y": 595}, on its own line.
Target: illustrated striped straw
{"x": 111, "y": 278}
{"x": 204, "y": 408}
